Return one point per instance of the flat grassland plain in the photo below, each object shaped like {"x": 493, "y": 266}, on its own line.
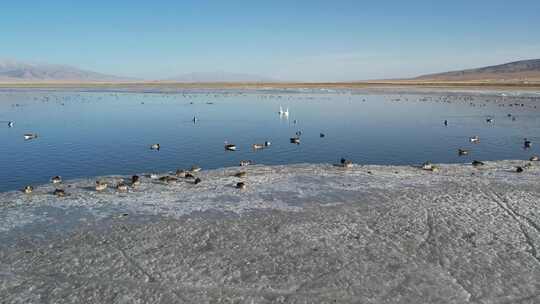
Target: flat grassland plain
{"x": 297, "y": 234}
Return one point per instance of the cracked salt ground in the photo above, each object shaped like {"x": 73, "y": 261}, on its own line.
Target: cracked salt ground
{"x": 297, "y": 234}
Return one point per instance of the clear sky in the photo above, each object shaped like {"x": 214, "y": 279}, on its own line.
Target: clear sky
{"x": 289, "y": 40}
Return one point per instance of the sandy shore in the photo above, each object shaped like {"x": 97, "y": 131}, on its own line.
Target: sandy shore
{"x": 297, "y": 234}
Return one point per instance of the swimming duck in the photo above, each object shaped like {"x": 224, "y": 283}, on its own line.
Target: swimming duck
{"x": 534, "y": 158}
{"x": 56, "y": 180}
{"x": 477, "y": 163}
{"x": 28, "y": 189}
{"x": 489, "y": 120}
{"x": 474, "y": 139}
{"x": 180, "y": 173}
{"x": 240, "y": 174}
{"x": 101, "y": 186}
{"x": 29, "y": 136}
{"x": 10, "y": 124}
{"x": 241, "y": 185}
{"x": 197, "y": 181}
{"x": 527, "y": 143}
{"x": 295, "y": 140}
{"x": 267, "y": 144}
{"x": 195, "y": 119}
{"x": 135, "y": 180}
{"x": 257, "y": 146}
{"x": 155, "y": 147}
{"x": 59, "y": 192}
{"x": 446, "y": 122}
{"x": 322, "y": 135}
{"x": 230, "y": 147}
{"x": 244, "y": 163}
{"x": 462, "y": 152}
{"x": 121, "y": 187}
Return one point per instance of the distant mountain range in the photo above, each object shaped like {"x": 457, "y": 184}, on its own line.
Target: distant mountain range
{"x": 14, "y": 71}
{"x": 513, "y": 71}
{"x": 219, "y": 77}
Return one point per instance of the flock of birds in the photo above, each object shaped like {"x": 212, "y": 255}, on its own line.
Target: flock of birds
{"x": 190, "y": 173}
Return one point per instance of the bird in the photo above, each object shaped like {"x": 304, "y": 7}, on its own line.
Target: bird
{"x": 241, "y": 185}
{"x": 477, "y": 163}
{"x": 180, "y": 173}
{"x": 527, "y": 143}
{"x": 10, "y": 124}
{"x": 195, "y": 119}
{"x": 295, "y": 140}
{"x": 135, "y": 181}
{"x": 101, "y": 186}
{"x": 267, "y": 143}
{"x": 29, "y": 136}
{"x": 230, "y": 147}
{"x": 56, "y": 180}
{"x": 28, "y": 189}
{"x": 257, "y": 146}
{"x": 195, "y": 168}
{"x": 446, "y": 122}
{"x": 463, "y": 152}
{"x": 121, "y": 187}
{"x": 427, "y": 165}
{"x": 519, "y": 169}
{"x": 489, "y": 120}
{"x": 244, "y": 163}
{"x": 59, "y": 192}
{"x": 321, "y": 135}
{"x": 197, "y": 181}
{"x": 534, "y": 158}
{"x": 155, "y": 147}
{"x": 346, "y": 163}
{"x": 474, "y": 139}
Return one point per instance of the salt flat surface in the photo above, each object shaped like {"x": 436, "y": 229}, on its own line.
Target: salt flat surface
{"x": 297, "y": 234}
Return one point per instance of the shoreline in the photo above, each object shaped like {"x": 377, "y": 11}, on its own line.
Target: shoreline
{"x": 297, "y": 233}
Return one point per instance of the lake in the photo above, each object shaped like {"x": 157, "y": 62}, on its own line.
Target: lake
{"x": 93, "y": 133}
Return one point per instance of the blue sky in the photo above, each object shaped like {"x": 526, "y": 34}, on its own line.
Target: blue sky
{"x": 289, "y": 40}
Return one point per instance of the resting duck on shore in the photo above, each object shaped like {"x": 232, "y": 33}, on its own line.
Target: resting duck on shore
{"x": 56, "y": 180}
{"x": 28, "y": 189}
{"x": 346, "y": 163}
{"x": 477, "y": 163}
{"x": 241, "y": 185}
{"x": 121, "y": 187}
{"x": 244, "y": 163}
{"x": 135, "y": 181}
{"x": 195, "y": 168}
{"x": 180, "y": 173}
{"x": 534, "y": 158}
{"x": 59, "y": 192}
{"x": 101, "y": 185}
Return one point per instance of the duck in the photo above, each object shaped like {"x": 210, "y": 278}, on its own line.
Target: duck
{"x": 135, "y": 180}
{"x": 195, "y": 119}
{"x": 56, "y": 179}
{"x": 474, "y": 139}
{"x": 168, "y": 179}
{"x": 29, "y": 136}
{"x": 101, "y": 186}
{"x": 427, "y": 165}
{"x": 121, "y": 187}
{"x": 267, "y": 143}
{"x": 519, "y": 169}
{"x": 477, "y": 163}
{"x": 180, "y": 173}
{"x": 241, "y": 185}
{"x": 321, "y": 135}
{"x": 244, "y": 163}
{"x": 230, "y": 147}
{"x": 189, "y": 176}
{"x": 462, "y": 152}
{"x": 195, "y": 168}
{"x": 295, "y": 140}
{"x": 28, "y": 189}
{"x": 257, "y": 146}
{"x": 489, "y": 120}
{"x": 527, "y": 143}
{"x": 446, "y": 122}
{"x": 197, "y": 181}
{"x": 10, "y": 124}
{"x": 346, "y": 163}
{"x": 154, "y": 176}
{"x": 155, "y": 147}
{"x": 534, "y": 158}
{"x": 240, "y": 174}
{"x": 59, "y": 192}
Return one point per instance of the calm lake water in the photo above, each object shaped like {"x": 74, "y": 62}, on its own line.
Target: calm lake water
{"x": 84, "y": 134}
